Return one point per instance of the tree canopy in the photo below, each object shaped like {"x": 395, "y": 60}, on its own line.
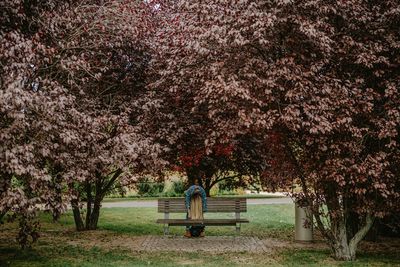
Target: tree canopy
{"x": 318, "y": 78}
{"x": 296, "y": 92}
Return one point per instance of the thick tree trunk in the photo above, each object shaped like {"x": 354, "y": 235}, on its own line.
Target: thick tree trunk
{"x": 344, "y": 252}
{"x": 77, "y": 216}
{"x": 92, "y": 215}
{"x": 343, "y": 247}
{"x": 340, "y": 244}
{"x": 94, "y": 196}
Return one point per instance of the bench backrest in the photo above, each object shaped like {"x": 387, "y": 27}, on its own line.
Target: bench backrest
{"x": 214, "y": 204}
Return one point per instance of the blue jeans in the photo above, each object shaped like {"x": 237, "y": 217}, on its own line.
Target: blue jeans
{"x": 188, "y": 227}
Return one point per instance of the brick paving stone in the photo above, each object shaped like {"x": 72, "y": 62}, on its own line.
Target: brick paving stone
{"x": 208, "y": 244}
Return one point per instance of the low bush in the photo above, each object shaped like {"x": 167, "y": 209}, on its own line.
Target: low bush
{"x": 176, "y": 189}
{"x": 149, "y": 188}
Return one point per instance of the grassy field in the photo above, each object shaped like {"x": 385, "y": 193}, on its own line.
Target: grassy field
{"x": 266, "y": 221}
{"x": 60, "y": 245}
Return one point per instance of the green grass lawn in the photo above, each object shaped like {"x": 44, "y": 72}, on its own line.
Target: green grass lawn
{"x": 60, "y": 245}
{"x": 266, "y": 221}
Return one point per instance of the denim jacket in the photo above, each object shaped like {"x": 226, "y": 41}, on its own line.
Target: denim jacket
{"x": 189, "y": 193}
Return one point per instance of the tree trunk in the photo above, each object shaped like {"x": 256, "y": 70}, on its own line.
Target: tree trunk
{"x": 94, "y": 196}
{"x": 207, "y": 190}
{"x": 340, "y": 244}
{"x": 207, "y": 185}
{"x": 94, "y": 216}
{"x": 89, "y": 200}
{"x": 343, "y": 248}
{"x": 58, "y": 191}
{"x": 77, "y": 216}
{"x": 193, "y": 174}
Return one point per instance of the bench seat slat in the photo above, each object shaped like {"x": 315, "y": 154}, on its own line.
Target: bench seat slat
{"x": 214, "y": 222}
{"x": 208, "y": 206}
{"x": 216, "y": 209}
{"x": 209, "y": 198}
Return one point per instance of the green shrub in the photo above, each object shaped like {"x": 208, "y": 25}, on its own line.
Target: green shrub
{"x": 226, "y": 188}
{"x": 179, "y": 187}
{"x": 149, "y": 188}
{"x": 176, "y": 189}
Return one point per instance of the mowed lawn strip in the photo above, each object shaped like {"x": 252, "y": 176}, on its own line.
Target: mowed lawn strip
{"x": 265, "y": 221}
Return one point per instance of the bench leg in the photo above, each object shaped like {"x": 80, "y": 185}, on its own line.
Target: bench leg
{"x": 238, "y": 228}
{"x": 166, "y": 229}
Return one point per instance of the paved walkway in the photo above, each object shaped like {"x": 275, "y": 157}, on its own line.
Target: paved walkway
{"x": 153, "y": 203}
{"x": 216, "y": 244}
{"x": 208, "y": 243}
{"x": 220, "y": 244}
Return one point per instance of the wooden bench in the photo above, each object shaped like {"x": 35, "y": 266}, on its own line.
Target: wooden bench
{"x": 214, "y": 204}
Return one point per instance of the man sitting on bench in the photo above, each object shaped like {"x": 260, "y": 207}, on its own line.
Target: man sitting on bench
{"x": 196, "y": 205}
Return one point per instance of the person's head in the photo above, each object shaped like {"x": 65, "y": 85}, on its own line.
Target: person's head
{"x": 196, "y": 192}
{"x": 196, "y": 181}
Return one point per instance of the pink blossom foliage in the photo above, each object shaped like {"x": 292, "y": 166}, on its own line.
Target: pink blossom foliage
{"x": 71, "y": 73}
{"x": 323, "y": 75}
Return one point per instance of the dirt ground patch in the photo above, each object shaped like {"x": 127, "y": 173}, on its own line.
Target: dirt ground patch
{"x": 108, "y": 240}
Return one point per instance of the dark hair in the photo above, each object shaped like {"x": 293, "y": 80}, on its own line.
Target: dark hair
{"x": 196, "y": 192}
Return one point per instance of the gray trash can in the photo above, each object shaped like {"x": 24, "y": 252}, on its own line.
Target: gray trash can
{"x": 304, "y": 224}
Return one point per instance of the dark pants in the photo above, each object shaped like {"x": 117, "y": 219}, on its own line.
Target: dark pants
{"x": 193, "y": 228}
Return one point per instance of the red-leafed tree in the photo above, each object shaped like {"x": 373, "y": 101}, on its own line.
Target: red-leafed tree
{"x": 196, "y": 146}
{"x": 235, "y": 163}
{"x": 180, "y": 119}
{"x": 318, "y": 79}
{"x": 191, "y": 150}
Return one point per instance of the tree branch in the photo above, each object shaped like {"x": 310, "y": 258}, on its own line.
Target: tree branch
{"x": 369, "y": 220}
{"x": 116, "y": 174}
{"x": 224, "y": 178}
